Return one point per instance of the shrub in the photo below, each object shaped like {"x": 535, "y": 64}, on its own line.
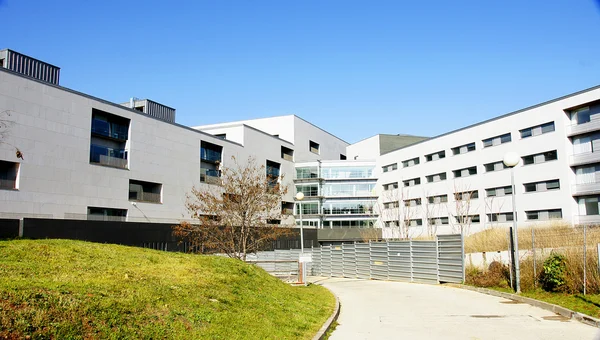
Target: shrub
{"x": 497, "y": 275}
{"x": 553, "y": 276}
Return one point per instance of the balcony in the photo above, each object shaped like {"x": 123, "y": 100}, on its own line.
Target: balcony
{"x": 586, "y": 189}
{"x": 148, "y": 197}
{"x": 8, "y": 184}
{"x": 210, "y": 176}
{"x": 578, "y": 129}
{"x": 111, "y": 130}
{"x": 588, "y": 219}
{"x": 585, "y": 158}
{"x": 102, "y": 155}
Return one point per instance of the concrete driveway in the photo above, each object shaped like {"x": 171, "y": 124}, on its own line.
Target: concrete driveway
{"x": 397, "y": 310}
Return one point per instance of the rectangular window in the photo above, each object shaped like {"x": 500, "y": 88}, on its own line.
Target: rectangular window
{"x": 495, "y": 166}
{"x": 307, "y": 172}
{"x": 500, "y": 217}
{"x": 109, "y": 135}
{"x": 435, "y": 156}
{"x": 499, "y": 191}
{"x": 272, "y": 173}
{"x": 106, "y": 214}
{"x": 540, "y": 157}
{"x": 390, "y": 167}
{"x": 436, "y": 177}
{"x": 412, "y": 182}
{"x": 543, "y": 215}
{"x": 308, "y": 208}
{"x": 410, "y": 162}
{"x": 148, "y": 192}
{"x": 463, "y": 149}
{"x": 287, "y": 153}
{"x": 309, "y": 190}
{"x": 466, "y": 195}
{"x": 287, "y": 208}
{"x": 210, "y": 159}
{"x": 497, "y": 140}
{"x": 390, "y": 186}
{"x": 438, "y": 221}
{"x": 412, "y": 202}
{"x": 589, "y": 205}
{"x": 465, "y": 172}
{"x": 437, "y": 199}
{"x": 221, "y": 135}
{"x": 537, "y": 130}
{"x": 467, "y": 219}
{"x": 542, "y": 186}
{"x": 415, "y": 222}
{"x": 342, "y": 157}
{"x": 391, "y": 205}
{"x": 8, "y": 175}
{"x": 313, "y": 147}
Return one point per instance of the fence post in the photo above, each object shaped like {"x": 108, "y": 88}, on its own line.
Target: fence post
{"x": 534, "y": 253}
{"x": 584, "y": 258}
{"x": 510, "y": 257}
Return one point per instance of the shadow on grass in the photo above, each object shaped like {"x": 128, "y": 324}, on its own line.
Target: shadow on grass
{"x": 584, "y": 299}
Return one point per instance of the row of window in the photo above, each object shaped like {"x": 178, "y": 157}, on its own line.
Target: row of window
{"x": 463, "y": 149}
{"x": 533, "y": 215}
{"x": 553, "y": 184}
{"x": 470, "y": 171}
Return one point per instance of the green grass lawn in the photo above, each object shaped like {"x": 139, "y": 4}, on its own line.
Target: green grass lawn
{"x": 70, "y": 289}
{"x": 585, "y": 304}
{"x": 588, "y": 304}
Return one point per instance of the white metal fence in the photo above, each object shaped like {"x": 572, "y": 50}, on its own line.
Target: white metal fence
{"x": 441, "y": 260}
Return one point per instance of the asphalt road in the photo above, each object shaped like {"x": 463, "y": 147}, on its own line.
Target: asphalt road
{"x": 396, "y": 310}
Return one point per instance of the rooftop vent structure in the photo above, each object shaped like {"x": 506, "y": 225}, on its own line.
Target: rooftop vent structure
{"x": 28, "y": 66}
{"x": 152, "y": 108}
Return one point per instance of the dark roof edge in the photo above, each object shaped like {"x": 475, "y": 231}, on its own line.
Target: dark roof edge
{"x": 327, "y": 132}
{"x": 502, "y": 116}
{"x": 113, "y": 104}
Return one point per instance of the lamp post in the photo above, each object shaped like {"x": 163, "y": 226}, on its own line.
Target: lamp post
{"x": 299, "y": 198}
{"x": 511, "y": 160}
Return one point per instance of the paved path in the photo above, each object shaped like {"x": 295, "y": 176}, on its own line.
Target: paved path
{"x": 397, "y": 310}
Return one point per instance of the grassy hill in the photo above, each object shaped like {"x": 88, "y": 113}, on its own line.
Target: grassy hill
{"x": 70, "y": 289}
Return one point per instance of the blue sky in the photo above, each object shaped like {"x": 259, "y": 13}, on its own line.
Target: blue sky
{"x": 354, "y": 68}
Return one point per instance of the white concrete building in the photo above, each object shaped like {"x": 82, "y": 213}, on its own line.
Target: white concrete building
{"x": 427, "y": 185}
{"x": 66, "y": 154}
{"x": 86, "y": 157}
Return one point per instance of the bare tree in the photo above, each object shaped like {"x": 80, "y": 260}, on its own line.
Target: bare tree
{"x": 430, "y": 209}
{"x": 5, "y": 125}
{"x": 494, "y": 209}
{"x": 461, "y": 217}
{"x": 397, "y": 210}
{"x": 237, "y": 217}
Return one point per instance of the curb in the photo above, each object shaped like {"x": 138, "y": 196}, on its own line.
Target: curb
{"x": 327, "y": 325}
{"x": 586, "y": 319}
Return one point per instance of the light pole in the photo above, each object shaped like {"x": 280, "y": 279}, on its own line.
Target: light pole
{"x": 299, "y": 198}
{"x": 511, "y": 160}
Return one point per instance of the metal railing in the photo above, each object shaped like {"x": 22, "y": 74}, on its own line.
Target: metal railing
{"x": 149, "y": 197}
{"x": 210, "y": 176}
{"x": 575, "y": 129}
{"x": 586, "y": 188}
{"x": 108, "y": 156}
{"x": 585, "y": 158}
{"x": 7, "y": 184}
{"x": 210, "y": 155}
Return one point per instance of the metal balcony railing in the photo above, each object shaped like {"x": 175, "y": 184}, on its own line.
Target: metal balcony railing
{"x": 210, "y": 176}
{"x": 585, "y": 158}
{"x": 586, "y": 189}
{"x": 7, "y": 184}
{"x": 108, "y": 156}
{"x": 142, "y": 196}
{"x": 577, "y": 129}
{"x": 589, "y": 219}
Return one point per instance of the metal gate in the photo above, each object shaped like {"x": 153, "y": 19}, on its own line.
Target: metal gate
{"x": 436, "y": 261}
